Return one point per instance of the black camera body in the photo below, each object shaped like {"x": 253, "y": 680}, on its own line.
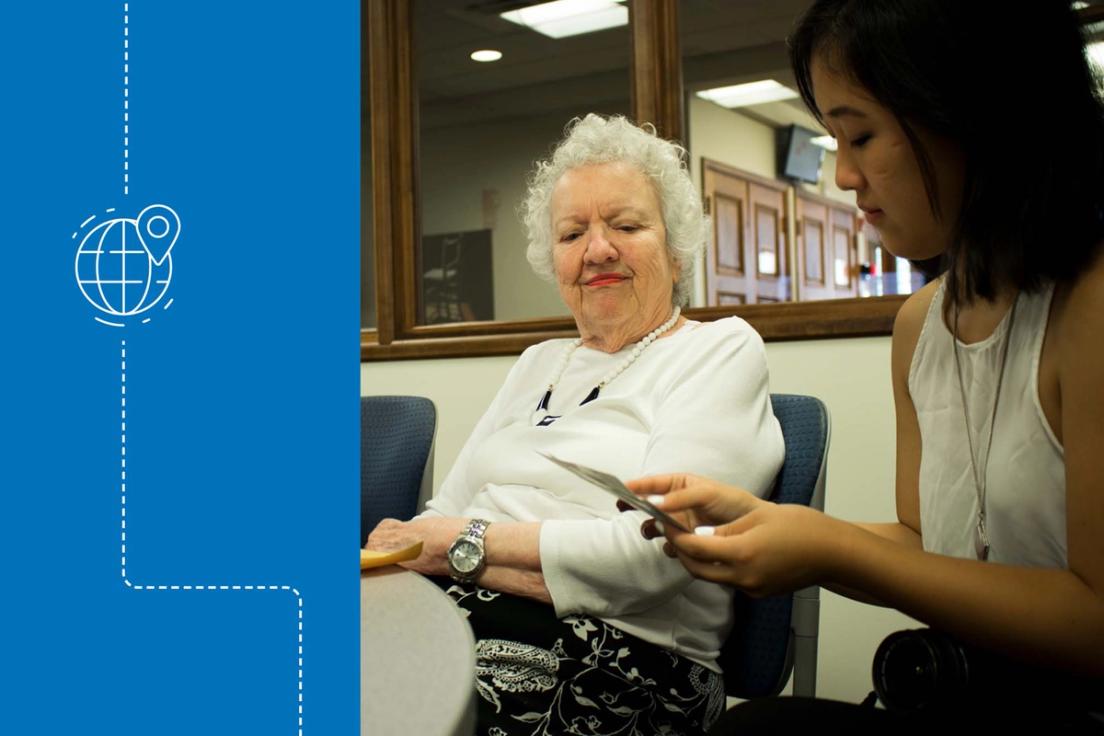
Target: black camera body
{"x": 927, "y": 672}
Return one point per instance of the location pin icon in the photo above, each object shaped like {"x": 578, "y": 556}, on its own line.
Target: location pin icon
{"x": 158, "y": 227}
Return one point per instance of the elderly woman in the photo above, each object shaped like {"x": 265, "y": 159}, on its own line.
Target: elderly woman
{"x": 582, "y": 625}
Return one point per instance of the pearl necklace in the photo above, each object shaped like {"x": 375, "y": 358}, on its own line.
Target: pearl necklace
{"x": 616, "y": 371}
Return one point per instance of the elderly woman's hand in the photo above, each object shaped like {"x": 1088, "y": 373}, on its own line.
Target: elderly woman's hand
{"x": 436, "y": 535}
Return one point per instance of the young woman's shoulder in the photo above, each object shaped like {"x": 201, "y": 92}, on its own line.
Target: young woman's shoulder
{"x": 909, "y": 324}
{"x": 911, "y": 315}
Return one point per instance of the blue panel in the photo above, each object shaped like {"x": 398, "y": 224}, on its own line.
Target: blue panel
{"x": 180, "y": 525}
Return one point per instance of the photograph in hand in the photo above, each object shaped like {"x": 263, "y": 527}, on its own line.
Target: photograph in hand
{"x": 611, "y": 484}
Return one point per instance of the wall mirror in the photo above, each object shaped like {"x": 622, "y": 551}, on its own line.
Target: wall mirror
{"x": 449, "y": 139}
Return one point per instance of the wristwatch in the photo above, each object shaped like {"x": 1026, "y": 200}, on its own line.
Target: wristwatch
{"x": 466, "y": 556}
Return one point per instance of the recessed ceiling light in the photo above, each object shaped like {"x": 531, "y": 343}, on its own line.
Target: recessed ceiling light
{"x": 825, "y": 141}
{"x": 486, "y": 55}
{"x": 752, "y": 93}
{"x": 1080, "y": 5}
{"x": 570, "y": 17}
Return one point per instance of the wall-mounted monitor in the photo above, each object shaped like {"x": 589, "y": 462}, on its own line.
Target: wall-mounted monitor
{"x": 798, "y": 157}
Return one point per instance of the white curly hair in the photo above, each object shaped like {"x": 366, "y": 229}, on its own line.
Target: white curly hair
{"x": 599, "y": 140}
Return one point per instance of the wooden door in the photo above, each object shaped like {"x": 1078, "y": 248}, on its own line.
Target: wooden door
{"x": 812, "y": 255}
{"x": 772, "y": 262}
{"x": 826, "y": 248}
{"x": 726, "y": 279}
{"x": 845, "y": 254}
{"x": 747, "y": 261}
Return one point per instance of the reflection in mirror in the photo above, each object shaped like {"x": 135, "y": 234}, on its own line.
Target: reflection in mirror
{"x": 482, "y": 125}
{"x": 783, "y": 230}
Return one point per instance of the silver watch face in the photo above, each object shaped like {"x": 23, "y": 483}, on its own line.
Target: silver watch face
{"x": 466, "y": 556}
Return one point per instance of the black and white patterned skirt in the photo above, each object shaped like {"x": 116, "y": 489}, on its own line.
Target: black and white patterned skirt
{"x": 537, "y": 674}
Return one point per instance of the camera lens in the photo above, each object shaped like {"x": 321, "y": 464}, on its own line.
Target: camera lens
{"x": 919, "y": 670}
{"x": 927, "y": 673}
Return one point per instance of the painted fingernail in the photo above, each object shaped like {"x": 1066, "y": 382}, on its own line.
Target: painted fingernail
{"x": 705, "y": 531}
{"x": 622, "y": 506}
{"x": 655, "y": 500}
{"x": 648, "y": 530}
{"x": 669, "y": 549}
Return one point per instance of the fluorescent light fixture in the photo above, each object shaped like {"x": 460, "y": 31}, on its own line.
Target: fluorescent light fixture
{"x": 1080, "y": 5}
{"x": 570, "y": 17}
{"x": 486, "y": 55}
{"x": 825, "y": 141}
{"x": 752, "y": 93}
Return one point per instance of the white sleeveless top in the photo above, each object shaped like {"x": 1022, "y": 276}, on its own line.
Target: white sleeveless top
{"x": 1026, "y": 478}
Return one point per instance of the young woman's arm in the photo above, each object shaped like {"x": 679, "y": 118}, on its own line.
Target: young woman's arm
{"x": 1049, "y": 616}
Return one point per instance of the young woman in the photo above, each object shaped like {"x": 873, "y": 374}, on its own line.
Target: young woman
{"x": 976, "y": 134}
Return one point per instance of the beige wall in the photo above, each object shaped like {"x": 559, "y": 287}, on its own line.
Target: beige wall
{"x": 724, "y": 135}
{"x": 851, "y": 376}
{"x": 473, "y": 178}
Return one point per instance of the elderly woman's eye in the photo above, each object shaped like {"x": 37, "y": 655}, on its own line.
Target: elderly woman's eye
{"x": 568, "y": 237}
{"x": 628, "y": 228}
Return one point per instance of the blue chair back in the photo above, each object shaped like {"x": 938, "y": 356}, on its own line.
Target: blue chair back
{"x": 776, "y": 635}
{"x": 396, "y": 442}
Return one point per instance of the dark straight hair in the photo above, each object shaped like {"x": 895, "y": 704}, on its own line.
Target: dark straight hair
{"x": 1010, "y": 85}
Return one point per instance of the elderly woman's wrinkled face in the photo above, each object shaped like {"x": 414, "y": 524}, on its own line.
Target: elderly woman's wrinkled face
{"x": 609, "y": 247}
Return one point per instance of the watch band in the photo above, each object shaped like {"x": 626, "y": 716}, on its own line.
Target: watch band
{"x": 476, "y": 529}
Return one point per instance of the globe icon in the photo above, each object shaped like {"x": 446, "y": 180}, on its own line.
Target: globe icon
{"x": 116, "y": 269}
